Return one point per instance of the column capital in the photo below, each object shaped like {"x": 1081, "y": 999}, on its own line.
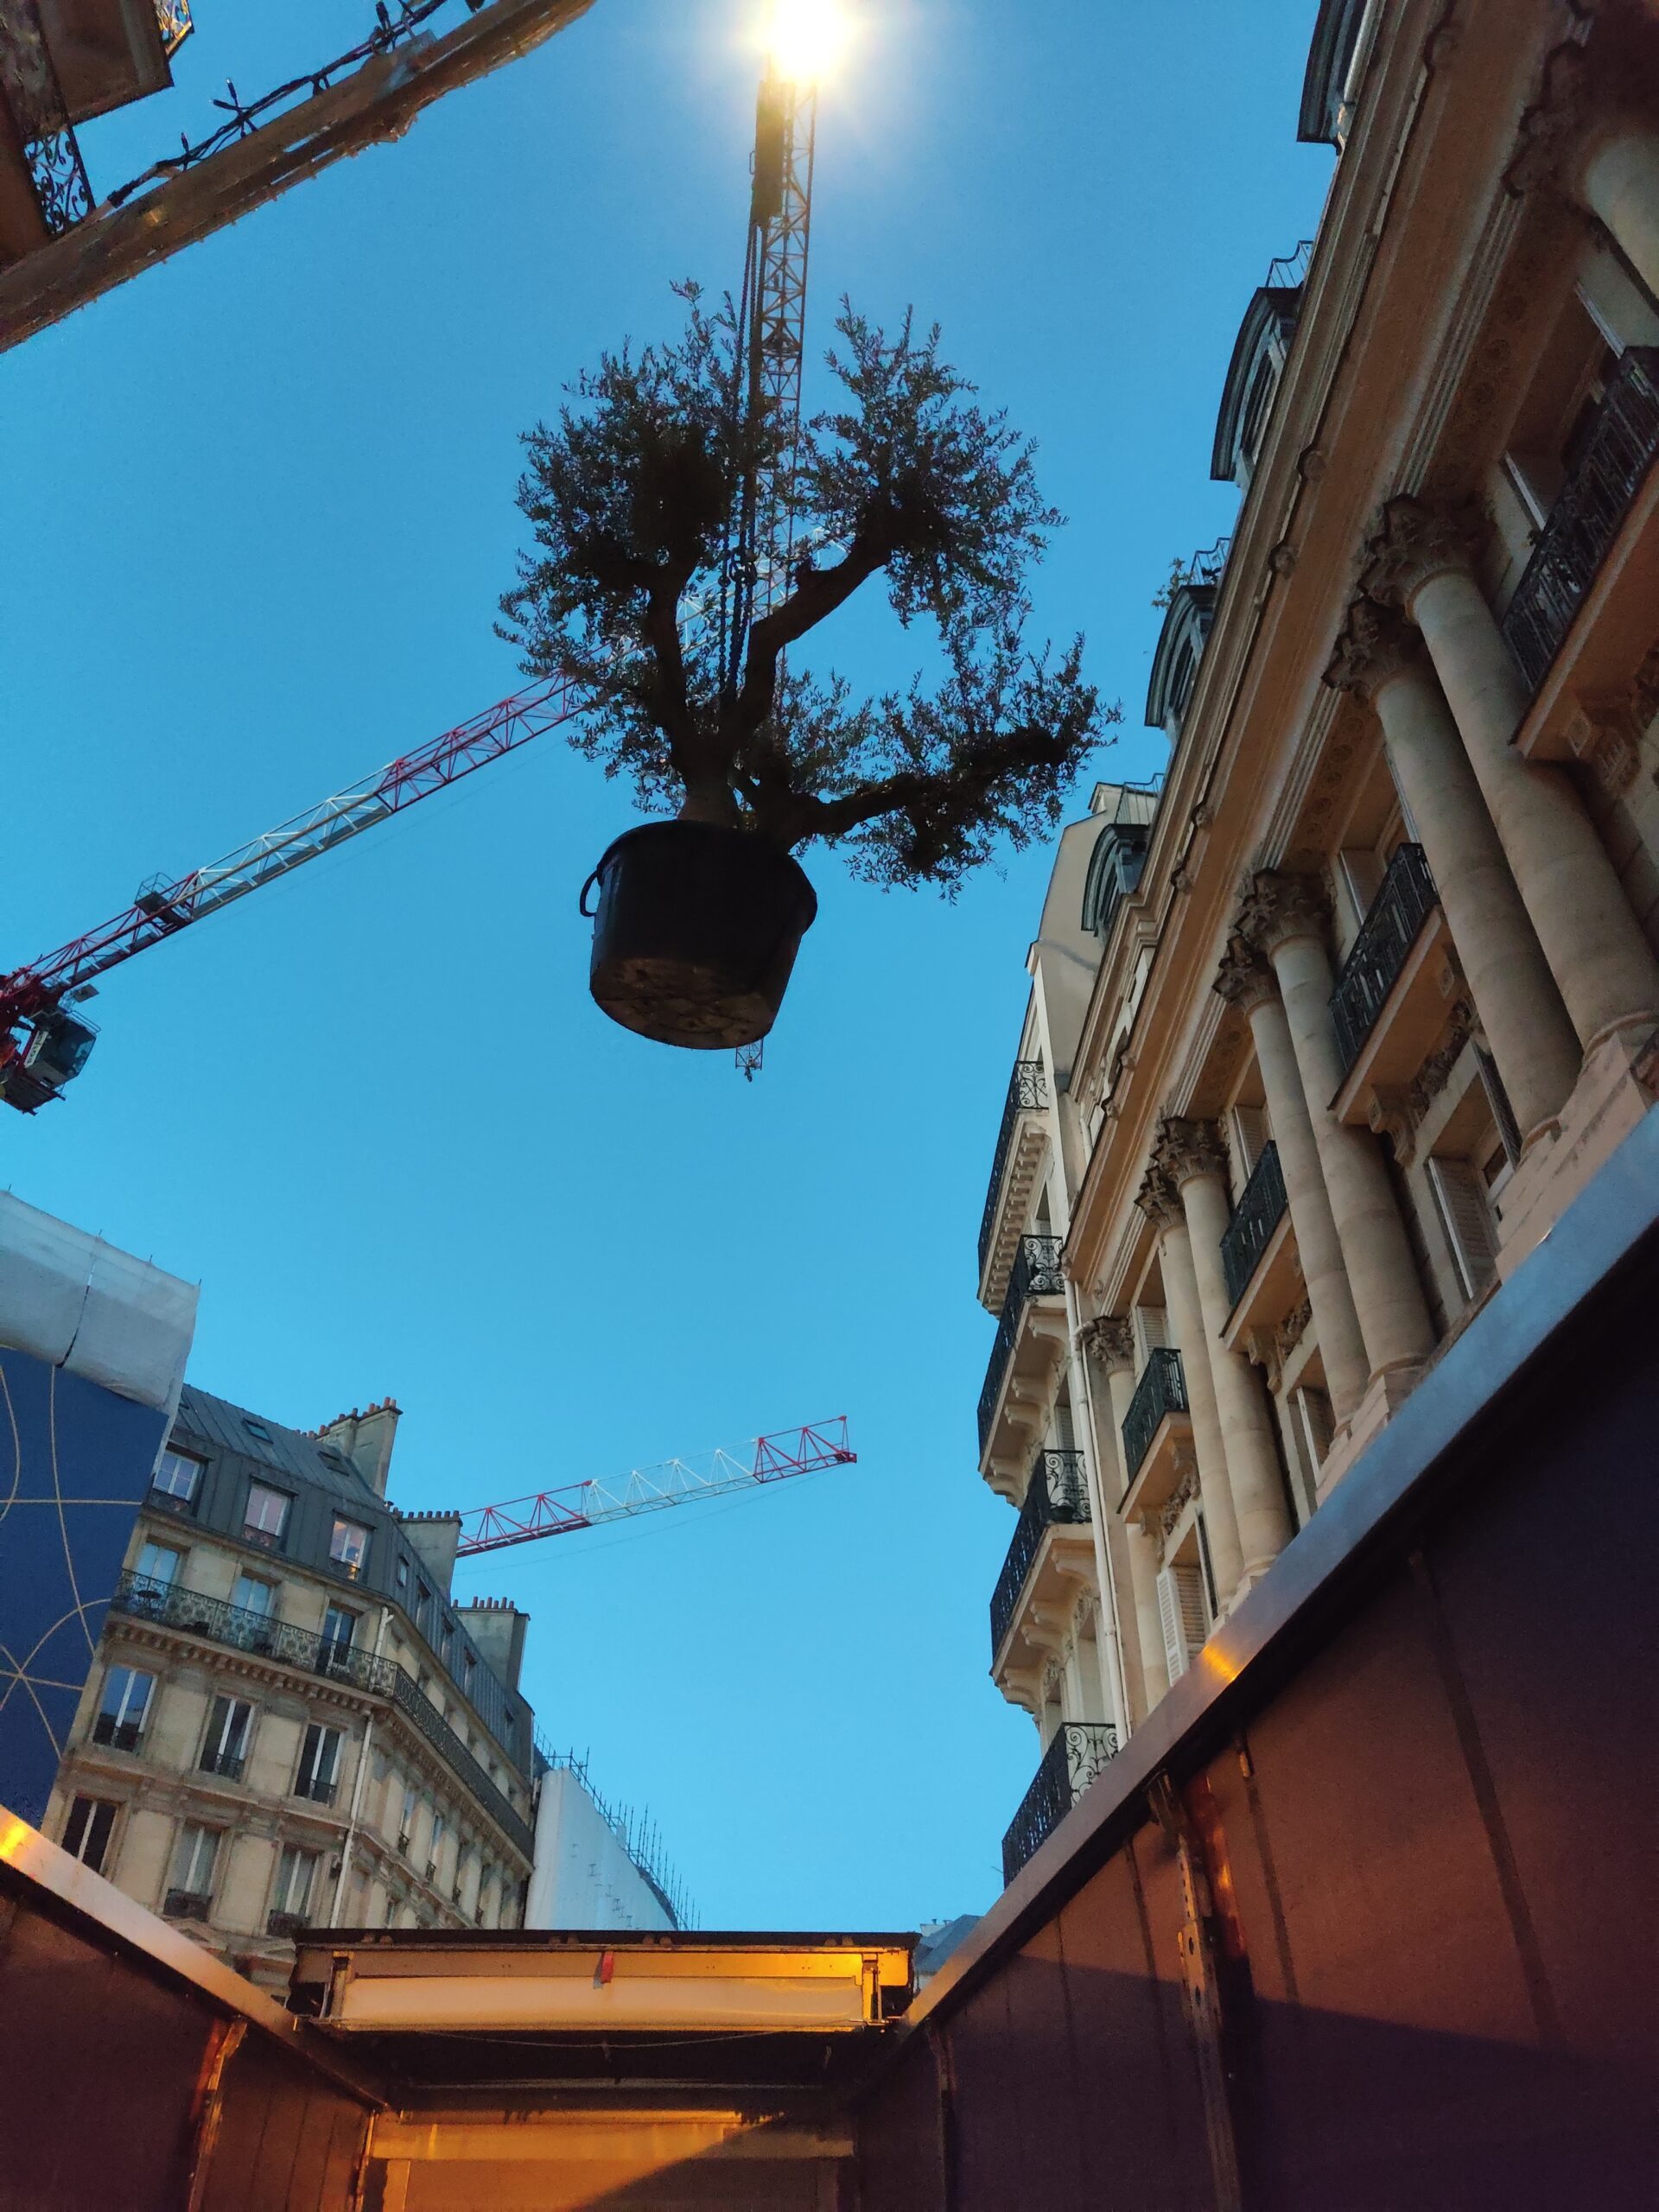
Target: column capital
{"x": 1187, "y": 1148}
{"x": 1554, "y": 125}
{"x": 1375, "y": 645}
{"x": 1278, "y": 907}
{"x": 1244, "y": 979}
{"x": 1415, "y": 543}
{"x": 1109, "y": 1341}
{"x": 1159, "y": 1199}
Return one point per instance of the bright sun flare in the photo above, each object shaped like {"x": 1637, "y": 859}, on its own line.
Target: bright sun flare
{"x": 806, "y": 38}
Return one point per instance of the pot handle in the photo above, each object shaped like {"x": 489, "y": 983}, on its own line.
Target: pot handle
{"x": 582, "y": 907}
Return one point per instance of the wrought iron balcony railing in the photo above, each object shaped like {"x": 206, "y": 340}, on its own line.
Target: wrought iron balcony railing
{"x": 1386, "y": 937}
{"x": 1077, "y": 1755}
{"x": 1035, "y": 1273}
{"x": 119, "y": 1735}
{"x": 1259, "y": 1210}
{"x": 226, "y": 1764}
{"x": 1161, "y": 1390}
{"x": 165, "y": 1603}
{"x": 187, "y": 1905}
{"x": 1585, "y": 519}
{"x": 1027, "y": 1091}
{"x": 286, "y": 1923}
{"x": 1056, "y": 1493}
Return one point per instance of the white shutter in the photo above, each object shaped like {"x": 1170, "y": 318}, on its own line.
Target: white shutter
{"x": 1151, "y": 1333}
{"x": 1468, "y": 1226}
{"x": 1181, "y": 1616}
{"x": 1247, "y": 1135}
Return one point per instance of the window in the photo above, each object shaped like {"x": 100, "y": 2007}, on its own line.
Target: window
{"x": 123, "y": 1708}
{"x": 319, "y": 1773}
{"x": 160, "y": 1563}
{"x": 439, "y": 1826}
{"x": 296, "y": 1878}
{"x": 406, "y": 1826}
{"x": 447, "y": 1644}
{"x": 468, "y": 1668}
{"x": 178, "y": 1478}
{"x": 225, "y": 1747}
{"x": 423, "y": 1610}
{"x": 403, "y": 1580}
{"x": 251, "y": 1595}
{"x": 255, "y": 1428}
{"x": 1181, "y": 1616}
{"x": 349, "y": 1545}
{"x": 1461, "y": 1194}
{"x": 194, "y": 1864}
{"x": 339, "y": 1632}
{"x": 266, "y": 1515}
{"x": 87, "y": 1834}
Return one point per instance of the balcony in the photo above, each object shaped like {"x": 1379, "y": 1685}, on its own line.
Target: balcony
{"x": 315, "y": 1789}
{"x": 1157, "y": 1431}
{"x": 1020, "y": 1147}
{"x": 1381, "y": 950}
{"x": 1584, "y": 520}
{"x": 227, "y": 1765}
{"x": 119, "y": 1735}
{"x": 1056, "y": 1497}
{"x": 1077, "y": 1755}
{"x": 286, "y": 1923}
{"x": 187, "y": 1905}
{"x": 1258, "y": 1213}
{"x": 1035, "y": 1273}
{"x": 258, "y": 1634}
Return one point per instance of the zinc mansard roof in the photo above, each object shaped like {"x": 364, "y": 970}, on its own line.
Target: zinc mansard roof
{"x": 216, "y": 1421}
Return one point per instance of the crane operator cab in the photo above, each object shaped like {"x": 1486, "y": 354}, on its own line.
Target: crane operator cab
{"x": 55, "y": 1049}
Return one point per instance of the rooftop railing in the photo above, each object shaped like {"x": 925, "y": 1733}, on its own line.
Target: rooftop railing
{"x": 1584, "y": 520}
{"x": 1057, "y": 1493}
{"x": 239, "y": 1630}
{"x": 1027, "y": 1093}
{"x": 1035, "y": 1273}
{"x": 1161, "y": 1390}
{"x": 1077, "y": 1755}
{"x": 1259, "y": 1210}
{"x": 1386, "y": 937}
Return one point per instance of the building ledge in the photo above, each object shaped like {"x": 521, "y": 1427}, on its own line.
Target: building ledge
{"x": 1406, "y": 1031}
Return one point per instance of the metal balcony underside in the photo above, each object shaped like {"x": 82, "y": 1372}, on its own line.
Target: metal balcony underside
{"x": 1397, "y": 913}
{"x": 1057, "y": 1494}
{"x": 1582, "y": 525}
{"x": 1079, "y": 1754}
{"x": 1035, "y": 1273}
{"x": 1027, "y": 1094}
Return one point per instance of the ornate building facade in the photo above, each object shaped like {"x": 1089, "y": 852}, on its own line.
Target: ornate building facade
{"x": 288, "y": 1722}
{"x": 1383, "y": 996}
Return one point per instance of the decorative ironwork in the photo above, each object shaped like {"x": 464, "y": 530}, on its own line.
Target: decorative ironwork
{"x": 1056, "y": 1493}
{"x": 258, "y": 1634}
{"x": 1161, "y": 1390}
{"x": 119, "y": 1735}
{"x": 316, "y": 1788}
{"x": 1027, "y": 1094}
{"x": 1207, "y": 567}
{"x": 173, "y": 22}
{"x": 1035, "y": 1273}
{"x": 1079, "y": 1754}
{"x": 167, "y": 1501}
{"x": 1386, "y": 937}
{"x": 32, "y": 91}
{"x": 1258, "y": 1213}
{"x": 1289, "y": 272}
{"x": 393, "y": 25}
{"x": 286, "y": 1923}
{"x": 1585, "y": 519}
{"x": 187, "y": 1905}
{"x": 226, "y": 1764}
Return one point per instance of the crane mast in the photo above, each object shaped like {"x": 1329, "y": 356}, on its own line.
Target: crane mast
{"x": 45, "y": 1040}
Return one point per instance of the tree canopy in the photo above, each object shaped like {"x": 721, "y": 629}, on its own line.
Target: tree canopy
{"x": 632, "y": 497}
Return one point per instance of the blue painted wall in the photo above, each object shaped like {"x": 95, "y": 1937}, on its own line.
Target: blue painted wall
{"x": 75, "y": 1462}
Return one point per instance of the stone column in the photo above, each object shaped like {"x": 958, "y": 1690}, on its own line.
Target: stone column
{"x": 1600, "y": 961}
{"x": 1247, "y": 982}
{"x": 1283, "y": 917}
{"x": 1514, "y": 993}
{"x": 1191, "y": 1154}
{"x": 1110, "y": 1343}
{"x": 1620, "y": 183}
{"x": 1114, "y": 1688}
{"x": 1162, "y": 1207}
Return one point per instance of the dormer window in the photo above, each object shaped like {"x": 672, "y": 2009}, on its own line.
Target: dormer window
{"x": 1257, "y": 369}
{"x": 1190, "y": 607}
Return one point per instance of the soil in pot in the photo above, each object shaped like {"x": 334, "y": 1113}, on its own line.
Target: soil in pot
{"x": 696, "y": 931}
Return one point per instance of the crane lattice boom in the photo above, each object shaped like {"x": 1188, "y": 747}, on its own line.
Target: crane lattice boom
{"x": 772, "y": 1459}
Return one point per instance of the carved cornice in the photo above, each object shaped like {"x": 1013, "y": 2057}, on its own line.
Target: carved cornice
{"x": 1186, "y": 1148}
{"x": 1278, "y": 907}
{"x": 1431, "y": 1077}
{"x": 1109, "y": 1341}
{"x": 1604, "y": 733}
{"x": 1244, "y": 979}
{"x": 1416, "y": 544}
{"x": 1552, "y": 125}
{"x": 1375, "y": 645}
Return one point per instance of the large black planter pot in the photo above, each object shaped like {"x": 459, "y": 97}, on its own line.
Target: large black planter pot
{"x": 696, "y": 933}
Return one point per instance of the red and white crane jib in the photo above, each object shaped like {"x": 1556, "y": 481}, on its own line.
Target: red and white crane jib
{"x": 30, "y": 996}
{"x": 772, "y": 1459}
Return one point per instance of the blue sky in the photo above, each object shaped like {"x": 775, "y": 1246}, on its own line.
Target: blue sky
{"x": 262, "y": 509}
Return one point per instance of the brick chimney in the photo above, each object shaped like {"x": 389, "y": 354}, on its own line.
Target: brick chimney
{"x": 367, "y": 1440}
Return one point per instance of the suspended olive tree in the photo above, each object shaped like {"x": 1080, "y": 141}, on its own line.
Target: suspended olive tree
{"x": 635, "y": 590}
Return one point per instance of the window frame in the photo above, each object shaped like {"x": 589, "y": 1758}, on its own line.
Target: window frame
{"x": 354, "y": 1567}
{"x": 235, "y": 1717}
{"x": 118, "y": 1716}
{"x": 78, "y": 1845}
{"x": 253, "y": 1531}
{"x": 198, "y": 1832}
{"x": 310, "y": 1785}
{"x": 191, "y": 1459}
